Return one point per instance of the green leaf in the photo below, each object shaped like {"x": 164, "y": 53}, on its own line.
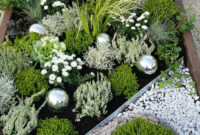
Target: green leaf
{"x": 178, "y": 84}
{"x": 169, "y": 81}
{"x": 163, "y": 74}
{"x": 161, "y": 84}
{"x": 186, "y": 75}
{"x": 179, "y": 18}
{"x": 192, "y": 84}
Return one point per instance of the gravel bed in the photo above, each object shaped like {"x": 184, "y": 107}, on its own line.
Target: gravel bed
{"x": 177, "y": 107}
{"x": 194, "y": 5}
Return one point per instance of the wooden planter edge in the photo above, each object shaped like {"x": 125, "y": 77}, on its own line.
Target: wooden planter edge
{"x": 193, "y": 62}
{"x": 3, "y": 25}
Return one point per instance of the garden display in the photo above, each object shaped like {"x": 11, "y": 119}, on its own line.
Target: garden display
{"x": 65, "y": 65}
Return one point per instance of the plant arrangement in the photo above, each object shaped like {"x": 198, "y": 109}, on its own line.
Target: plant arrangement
{"x": 98, "y": 73}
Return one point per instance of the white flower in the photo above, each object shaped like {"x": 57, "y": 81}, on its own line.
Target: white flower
{"x": 133, "y": 14}
{"x": 58, "y": 4}
{"x": 127, "y": 25}
{"x": 92, "y": 74}
{"x": 42, "y": 2}
{"x": 73, "y": 63}
{"x": 44, "y": 71}
{"x": 59, "y": 79}
{"x": 68, "y": 68}
{"x": 133, "y": 28}
{"x": 144, "y": 27}
{"x": 146, "y": 13}
{"x": 51, "y": 82}
{"x": 131, "y": 20}
{"x": 54, "y": 68}
{"x": 122, "y": 19}
{"x": 137, "y": 25}
{"x": 65, "y": 63}
{"x": 145, "y": 21}
{"x": 79, "y": 67}
{"x": 52, "y": 77}
{"x": 65, "y": 74}
{"x": 46, "y": 7}
{"x": 70, "y": 58}
{"x": 79, "y": 60}
{"x": 64, "y": 70}
{"x": 73, "y": 55}
{"x": 47, "y": 64}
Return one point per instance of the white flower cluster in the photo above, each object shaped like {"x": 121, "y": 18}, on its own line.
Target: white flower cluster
{"x": 55, "y": 4}
{"x": 135, "y": 22}
{"x": 60, "y": 66}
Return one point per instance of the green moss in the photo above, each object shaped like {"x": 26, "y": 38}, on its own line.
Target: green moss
{"x": 77, "y": 41}
{"x": 56, "y": 126}
{"x": 162, "y": 9}
{"x": 124, "y": 82}
{"x": 142, "y": 126}
{"x": 30, "y": 81}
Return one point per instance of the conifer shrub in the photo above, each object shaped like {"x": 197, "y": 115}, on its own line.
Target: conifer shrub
{"x": 124, "y": 82}
{"x": 141, "y": 126}
{"x": 30, "y": 81}
{"x": 56, "y": 126}
{"x": 77, "y": 41}
{"x": 162, "y": 9}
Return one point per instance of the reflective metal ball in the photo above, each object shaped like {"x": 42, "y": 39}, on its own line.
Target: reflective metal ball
{"x": 147, "y": 64}
{"x": 103, "y": 38}
{"x": 37, "y": 28}
{"x": 57, "y": 100}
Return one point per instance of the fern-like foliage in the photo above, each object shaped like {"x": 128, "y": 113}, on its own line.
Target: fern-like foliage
{"x": 7, "y": 92}
{"x": 92, "y": 98}
{"x": 130, "y": 51}
{"x": 100, "y": 57}
{"x": 22, "y": 118}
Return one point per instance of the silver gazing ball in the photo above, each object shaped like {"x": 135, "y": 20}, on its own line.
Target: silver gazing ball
{"x": 147, "y": 64}
{"x": 57, "y": 100}
{"x": 37, "y": 28}
{"x": 103, "y": 38}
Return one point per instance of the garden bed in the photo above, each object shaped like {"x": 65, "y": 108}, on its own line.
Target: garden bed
{"x": 87, "y": 122}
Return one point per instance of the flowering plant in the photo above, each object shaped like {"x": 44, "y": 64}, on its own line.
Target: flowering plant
{"x": 131, "y": 25}
{"x": 63, "y": 68}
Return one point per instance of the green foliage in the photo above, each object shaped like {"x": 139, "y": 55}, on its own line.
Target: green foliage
{"x": 193, "y": 84}
{"x": 77, "y": 41}
{"x": 178, "y": 84}
{"x": 42, "y": 49}
{"x": 163, "y": 74}
{"x": 162, "y": 9}
{"x": 185, "y": 24}
{"x": 22, "y": 118}
{"x": 30, "y": 81}
{"x": 10, "y": 3}
{"x": 25, "y": 43}
{"x": 7, "y": 92}
{"x": 92, "y": 97}
{"x": 161, "y": 84}
{"x": 169, "y": 81}
{"x": 124, "y": 82}
{"x": 56, "y": 126}
{"x": 13, "y": 61}
{"x": 142, "y": 126}
{"x": 97, "y": 21}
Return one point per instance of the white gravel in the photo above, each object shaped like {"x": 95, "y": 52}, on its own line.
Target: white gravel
{"x": 194, "y": 6}
{"x": 175, "y": 106}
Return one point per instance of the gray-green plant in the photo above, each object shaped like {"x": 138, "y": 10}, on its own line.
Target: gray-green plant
{"x": 54, "y": 24}
{"x": 13, "y": 61}
{"x": 158, "y": 32}
{"x": 100, "y": 57}
{"x": 129, "y": 52}
{"x": 98, "y": 21}
{"x": 71, "y": 17}
{"x": 22, "y": 118}
{"x": 43, "y": 49}
{"x": 7, "y": 92}
{"x": 92, "y": 97}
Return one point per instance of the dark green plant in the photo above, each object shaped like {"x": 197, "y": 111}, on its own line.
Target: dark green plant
{"x": 77, "y": 41}
{"x": 30, "y": 81}
{"x": 10, "y": 3}
{"x": 185, "y": 24}
{"x": 25, "y": 43}
{"x": 13, "y": 61}
{"x": 124, "y": 82}
{"x": 142, "y": 126}
{"x": 56, "y": 126}
{"x": 162, "y": 9}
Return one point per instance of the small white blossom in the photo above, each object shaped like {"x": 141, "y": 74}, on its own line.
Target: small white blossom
{"x": 58, "y": 4}
{"x": 145, "y": 21}
{"x": 73, "y": 55}
{"x": 47, "y": 64}
{"x": 42, "y": 2}
{"x": 92, "y": 74}
{"x": 133, "y": 28}
{"x": 127, "y": 25}
{"x": 64, "y": 70}
{"x": 46, "y": 7}
{"x": 70, "y": 58}
{"x": 79, "y": 60}
{"x": 146, "y": 13}
{"x": 133, "y": 14}
{"x": 51, "y": 82}
{"x": 137, "y": 25}
{"x": 79, "y": 67}
{"x": 131, "y": 20}
{"x": 68, "y": 68}
{"x": 144, "y": 27}
{"x": 73, "y": 63}
{"x": 65, "y": 74}
{"x": 44, "y": 71}
{"x": 55, "y": 68}
{"x": 59, "y": 79}
{"x": 52, "y": 77}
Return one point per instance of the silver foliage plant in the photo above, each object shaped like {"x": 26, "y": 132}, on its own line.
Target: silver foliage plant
{"x": 7, "y": 92}
{"x": 22, "y": 118}
{"x": 53, "y": 24}
{"x": 100, "y": 57}
{"x": 92, "y": 98}
{"x": 130, "y": 51}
